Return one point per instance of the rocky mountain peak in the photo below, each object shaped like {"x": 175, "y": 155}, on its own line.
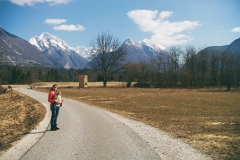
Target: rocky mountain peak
{"x": 130, "y": 42}
{"x": 58, "y": 51}
{"x": 46, "y": 40}
{"x": 152, "y": 45}
{"x": 46, "y": 35}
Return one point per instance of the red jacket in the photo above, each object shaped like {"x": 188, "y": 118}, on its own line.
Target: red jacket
{"x": 51, "y": 97}
{"x": 51, "y": 94}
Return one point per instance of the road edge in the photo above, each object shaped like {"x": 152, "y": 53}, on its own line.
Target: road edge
{"x": 19, "y": 148}
{"x": 166, "y": 146}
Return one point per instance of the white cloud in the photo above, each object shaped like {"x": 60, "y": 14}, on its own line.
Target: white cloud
{"x": 237, "y": 29}
{"x": 70, "y": 27}
{"x": 165, "y": 14}
{"x": 55, "y": 21}
{"x": 163, "y": 32}
{"x": 58, "y": 25}
{"x": 32, "y": 2}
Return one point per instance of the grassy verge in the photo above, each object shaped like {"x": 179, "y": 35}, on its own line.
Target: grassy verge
{"x": 19, "y": 115}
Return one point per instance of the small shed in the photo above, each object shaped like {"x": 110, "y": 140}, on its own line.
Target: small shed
{"x": 83, "y": 80}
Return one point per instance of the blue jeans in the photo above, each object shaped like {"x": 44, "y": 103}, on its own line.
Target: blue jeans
{"x": 55, "y": 112}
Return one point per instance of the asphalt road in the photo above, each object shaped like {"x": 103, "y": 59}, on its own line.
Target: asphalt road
{"x": 87, "y": 133}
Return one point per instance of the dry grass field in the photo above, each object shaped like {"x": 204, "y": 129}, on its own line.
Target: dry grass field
{"x": 208, "y": 119}
{"x": 19, "y": 115}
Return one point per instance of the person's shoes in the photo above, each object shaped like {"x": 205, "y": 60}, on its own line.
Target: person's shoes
{"x": 56, "y": 128}
{"x": 53, "y": 128}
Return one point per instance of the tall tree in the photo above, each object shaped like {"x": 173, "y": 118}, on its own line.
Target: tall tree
{"x": 202, "y": 68}
{"x": 237, "y": 68}
{"x": 214, "y": 67}
{"x": 106, "y": 55}
{"x": 53, "y": 76}
{"x": 28, "y": 77}
{"x": 130, "y": 71}
{"x": 228, "y": 59}
{"x": 41, "y": 76}
{"x": 173, "y": 64}
{"x": 143, "y": 72}
{"x": 189, "y": 68}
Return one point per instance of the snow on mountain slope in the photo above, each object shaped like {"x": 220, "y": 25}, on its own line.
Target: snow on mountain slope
{"x": 83, "y": 51}
{"x": 46, "y": 40}
{"x": 57, "y": 50}
{"x": 54, "y": 47}
{"x": 141, "y": 51}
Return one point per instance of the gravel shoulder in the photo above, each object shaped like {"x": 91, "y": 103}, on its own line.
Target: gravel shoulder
{"x": 166, "y": 147}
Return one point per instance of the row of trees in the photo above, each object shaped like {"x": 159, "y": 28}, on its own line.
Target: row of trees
{"x": 211, "y": 68}
{"x": 199, "y": 70}
{"x": 28, "y": 75}
{"x": 207, "y": 68}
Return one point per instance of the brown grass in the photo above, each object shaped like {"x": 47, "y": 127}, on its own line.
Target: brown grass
{"x": 19, "y": 115}
{"x": 208, "y": 119}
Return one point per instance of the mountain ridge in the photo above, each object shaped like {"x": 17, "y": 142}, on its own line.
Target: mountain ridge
{"x": 140, "y": 51}
{"x": 49, "y": 50}
{"x": 233, "y": 48}
{"x": 17, "y": 51}
{"x": 58, "y": 51}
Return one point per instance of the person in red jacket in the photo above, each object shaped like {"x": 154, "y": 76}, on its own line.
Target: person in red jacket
{"x": 54, "y": 108}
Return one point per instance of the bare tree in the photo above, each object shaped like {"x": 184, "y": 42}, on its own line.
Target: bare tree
{"x": 106, "y": 55}
{"x": 173, "y": 64}
{"x": 189, "y": 68}
{"x": 157, "y": 66}
{"x": 202, "y": 68}
{"x": 227, "y": 66}
{"x": 143, "y": 72}
{"x": 214, "y": 68}
{"x": 130, "y": 71}
{"x": 237, "y": 68}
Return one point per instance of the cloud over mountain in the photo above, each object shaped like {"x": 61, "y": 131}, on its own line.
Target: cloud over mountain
{"x": 69, "y": 28}
{"x": 163, "y": 32}
{"x": 59, "y": 25}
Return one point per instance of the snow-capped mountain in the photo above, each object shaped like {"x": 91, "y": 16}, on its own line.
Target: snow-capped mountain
{"x": 57, "y": 50}
{"x": 83, "y": 51}
{"x": 46, "y": 40}
{"x": 135, "y": 51}
{"x": 141, "y": 51}
{"x": 54, "y": 48}
{"x": 49, "y": 50}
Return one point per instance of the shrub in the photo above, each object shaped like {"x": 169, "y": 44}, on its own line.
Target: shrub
{"x": 142, "y": 85}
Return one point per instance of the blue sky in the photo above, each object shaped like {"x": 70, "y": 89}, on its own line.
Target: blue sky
{"x": 200, "y": 23}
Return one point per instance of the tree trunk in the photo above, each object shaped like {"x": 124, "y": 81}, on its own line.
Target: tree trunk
{"x": 104, "y": 83}
{"x": 228, "y": 87}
